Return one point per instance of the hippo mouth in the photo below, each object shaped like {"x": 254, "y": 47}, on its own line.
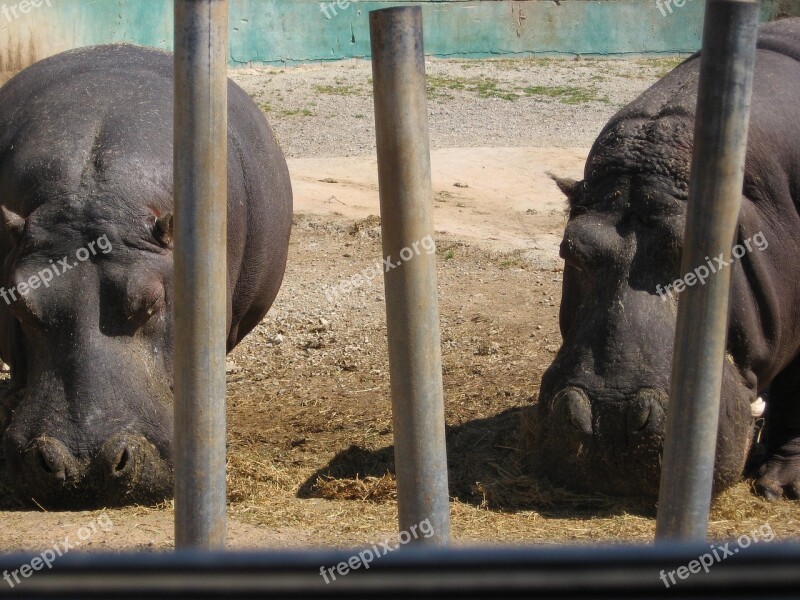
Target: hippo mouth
{"x": 603, "y": 441}
{"x": 602, "y": 444}
{"x": 126, "y": 469}
{"x": 46, "y": 471}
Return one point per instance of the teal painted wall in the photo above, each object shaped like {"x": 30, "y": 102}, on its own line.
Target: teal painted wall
{"x": 294, "y": 31}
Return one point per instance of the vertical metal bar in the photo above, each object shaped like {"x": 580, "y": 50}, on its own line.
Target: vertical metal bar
{"x": 200, "y": 284}
{"x": 412, "y": 312}
{"x": 720, "y": 142}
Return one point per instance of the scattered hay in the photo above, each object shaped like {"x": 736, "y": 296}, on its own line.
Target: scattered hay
{"x": 310, "y": 445}
{"x": 369, "y": 489}
{"x": 326, "y": 434}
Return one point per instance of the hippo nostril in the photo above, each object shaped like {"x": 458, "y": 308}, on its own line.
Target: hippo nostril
{"x": 44, "y": 462}
{"x": 639, "y": 415}
{"x": 638, "y": 418}
{"x": 646, "y": 412}
{"x": 50, "y": 459}
{"x": 581, "y": 421}
{"x": 122, "y": 460}
{"x": 117, "y": 456}
{"x": 575, "y": 407}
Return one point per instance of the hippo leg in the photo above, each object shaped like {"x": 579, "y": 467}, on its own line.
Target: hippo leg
{"x": 780, "y": 473}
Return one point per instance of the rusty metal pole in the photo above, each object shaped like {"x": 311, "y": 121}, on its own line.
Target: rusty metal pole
{"x": 412, "y": 312}
{"x": 715, "y": 193}
{"x": 200, "y": 284}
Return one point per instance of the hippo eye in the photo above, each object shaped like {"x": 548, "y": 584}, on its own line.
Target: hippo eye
{"x": 145, "y": 304}
{"x": 645, "y": 219}
{"x": 162, "y": 229}
{"x": 577, "y": 210}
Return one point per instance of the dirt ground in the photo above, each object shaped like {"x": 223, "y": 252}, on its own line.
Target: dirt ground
{"x": 310, "y": 429}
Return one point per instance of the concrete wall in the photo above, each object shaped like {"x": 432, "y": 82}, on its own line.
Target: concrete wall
{"x": 293, "y": 31}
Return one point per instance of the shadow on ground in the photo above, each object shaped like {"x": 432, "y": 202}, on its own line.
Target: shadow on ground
{"x": 487, "y": 468}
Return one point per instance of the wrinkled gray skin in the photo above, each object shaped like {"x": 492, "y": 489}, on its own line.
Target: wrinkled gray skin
{"x": 86, "y": 155}
{"x": 602, "y": 410}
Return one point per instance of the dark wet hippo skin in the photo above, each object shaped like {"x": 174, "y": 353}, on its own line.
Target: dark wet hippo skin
{"x": 603, "y": 401}
{"x": 87, "y": 196}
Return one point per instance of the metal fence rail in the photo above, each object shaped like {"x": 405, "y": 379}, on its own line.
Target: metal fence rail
{"x": 412, "y": 306}
{"x": 200, "y": 283}
{"x": 715, "y": 195}
{"x": 761, "y": 571}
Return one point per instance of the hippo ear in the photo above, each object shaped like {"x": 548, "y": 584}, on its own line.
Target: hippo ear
{"x": 162, "y": 229}
{"x": 565, "y": 184}
{"x": 14, "y": 223}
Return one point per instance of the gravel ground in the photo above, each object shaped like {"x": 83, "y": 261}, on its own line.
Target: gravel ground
{"x": 326, "y": 110}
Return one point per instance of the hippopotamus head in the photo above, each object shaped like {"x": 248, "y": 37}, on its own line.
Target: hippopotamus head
{"x": 87, "y": 193}
{"x": 92, "y": 351}
{"x": 603, "y": 401}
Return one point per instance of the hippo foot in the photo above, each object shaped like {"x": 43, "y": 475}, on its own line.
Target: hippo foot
{"x": 780, "y": 474}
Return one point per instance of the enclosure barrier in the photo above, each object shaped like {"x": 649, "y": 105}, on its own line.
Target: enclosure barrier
{"x": 763, "y": 571}
{"x": 201, "y": 188}
{"x": 715, "y": 192}
{"x": 412, "y": 312}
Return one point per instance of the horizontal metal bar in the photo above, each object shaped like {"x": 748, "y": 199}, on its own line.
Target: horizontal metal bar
{"x": 762, "y": 570}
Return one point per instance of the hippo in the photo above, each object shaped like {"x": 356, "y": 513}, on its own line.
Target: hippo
{"x": 86, "y": 188}
{"x": 600, "y": 420}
